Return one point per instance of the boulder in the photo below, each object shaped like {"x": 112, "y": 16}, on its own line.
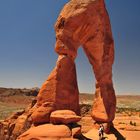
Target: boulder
{"x": 46, "y": 131}
{"x": 64, "y": 117}
{"x": 42, "y": 113}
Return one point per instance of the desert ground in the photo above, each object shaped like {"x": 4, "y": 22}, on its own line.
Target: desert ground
{"x": 126, "y": 123}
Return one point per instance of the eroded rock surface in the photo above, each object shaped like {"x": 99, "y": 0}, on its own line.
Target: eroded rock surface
{"x": 46, "y": 131}
{"x": 63, "y": 126}
{"x": 16, "y": 124}
{"x": 86, "y": 23}
{"x": 61, "y": 86}
{"x": 64, "y": 117}
{"x": 81, "y": 23}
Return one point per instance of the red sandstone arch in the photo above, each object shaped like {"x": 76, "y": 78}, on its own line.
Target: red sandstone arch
{"x": 86, "y": 23}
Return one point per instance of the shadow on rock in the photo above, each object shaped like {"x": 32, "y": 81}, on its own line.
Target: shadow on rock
{"x": 117, "y": 134}
{"x": 104, "y": 138}
{"x": 83, "y": 138}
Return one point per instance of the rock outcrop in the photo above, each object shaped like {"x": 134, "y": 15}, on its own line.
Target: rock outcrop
{"x": 46, "y": 131}
{"x": 86, "y": 23}
{"x": 81, "y": 23}
{"x": 61, "y": 86}
{"x": 17, "y": 123}
{"x": 63, "y": 126}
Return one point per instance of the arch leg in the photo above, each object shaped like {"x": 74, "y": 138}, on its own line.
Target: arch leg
{"x": 100, "y": 53}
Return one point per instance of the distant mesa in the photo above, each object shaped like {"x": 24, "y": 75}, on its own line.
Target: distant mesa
{"x": 18, "y": 91}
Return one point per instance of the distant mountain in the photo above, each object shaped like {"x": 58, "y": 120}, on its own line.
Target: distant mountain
{"x": 5, "y": 92}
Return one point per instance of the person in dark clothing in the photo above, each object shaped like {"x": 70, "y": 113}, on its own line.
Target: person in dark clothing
{"x": 101, "y": 132}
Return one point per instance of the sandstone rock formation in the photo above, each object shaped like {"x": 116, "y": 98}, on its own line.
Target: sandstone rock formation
{"x": 16, "y": 124}
{"x": 81, "y": 23}
{"x": 86, "y": 23}
{"x": 52, "y": 132}
{"x": 63, "y": 126}
{"x": 61, "y": 86}
{"x": 46, "y": 131}
{"x": 42, "y": 114}
{"x": 64, "y": 117}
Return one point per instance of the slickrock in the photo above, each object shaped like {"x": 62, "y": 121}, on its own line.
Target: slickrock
{"x": 93, "y": 134}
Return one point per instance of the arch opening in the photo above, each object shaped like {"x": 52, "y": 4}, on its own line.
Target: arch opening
{"x": 85, "y": 76}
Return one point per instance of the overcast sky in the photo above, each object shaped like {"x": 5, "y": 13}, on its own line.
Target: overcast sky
{"x": 27, "y": 41}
